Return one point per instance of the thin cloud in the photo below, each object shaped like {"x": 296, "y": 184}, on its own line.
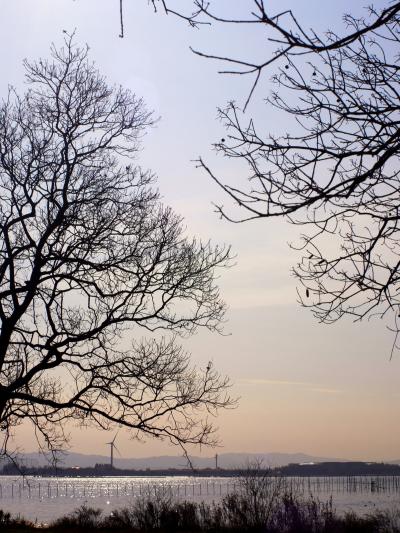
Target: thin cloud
{"x": 258, "y": 381}
{"x": 323, "y": 390}
{"x": 313, "y": 387}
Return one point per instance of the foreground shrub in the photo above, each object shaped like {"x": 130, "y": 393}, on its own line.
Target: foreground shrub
{"x": 5, "y": 518}
{"x": 8, "y": 522}
{"x": 390, "y": 519}
{"x": 159, "y": 512}
{"x": 83, "y": 517}
{"x": 259, "y": 498}
{"x": 303, "y": 515}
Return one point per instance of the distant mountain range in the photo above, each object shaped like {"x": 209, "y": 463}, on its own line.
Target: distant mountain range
{"x": 225, "y": 460}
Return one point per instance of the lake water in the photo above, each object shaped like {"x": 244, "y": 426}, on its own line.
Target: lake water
{"x": 44, "y": 499}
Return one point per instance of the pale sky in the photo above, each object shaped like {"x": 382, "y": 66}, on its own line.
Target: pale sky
{"x": 323, "y": 390}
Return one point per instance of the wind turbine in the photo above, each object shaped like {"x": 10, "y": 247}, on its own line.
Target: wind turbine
{"x": 112, "y": 446}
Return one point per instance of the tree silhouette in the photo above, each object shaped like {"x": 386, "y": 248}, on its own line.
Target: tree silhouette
{"x": 335, "y": 172}
{"x": 292, "y": 39}
{"x": 93, "y": 268}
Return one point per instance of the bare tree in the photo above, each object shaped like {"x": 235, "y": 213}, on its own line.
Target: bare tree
{"x": 336, "y": 172}
{"x": 92, "y": 265}
{"x": 290, "y": 37}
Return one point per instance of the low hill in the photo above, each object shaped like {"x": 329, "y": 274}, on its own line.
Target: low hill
{"x": 225, "y": 460}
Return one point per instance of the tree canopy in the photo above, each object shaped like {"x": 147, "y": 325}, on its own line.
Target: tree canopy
{"x": 97, "y": 276}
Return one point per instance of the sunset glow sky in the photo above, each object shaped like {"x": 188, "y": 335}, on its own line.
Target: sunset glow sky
{"x": 323, "y": 390}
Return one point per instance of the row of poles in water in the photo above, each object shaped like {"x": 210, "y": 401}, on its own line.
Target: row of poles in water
{"x": 40, "y": 490}
{"x": 84, "y": 490}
